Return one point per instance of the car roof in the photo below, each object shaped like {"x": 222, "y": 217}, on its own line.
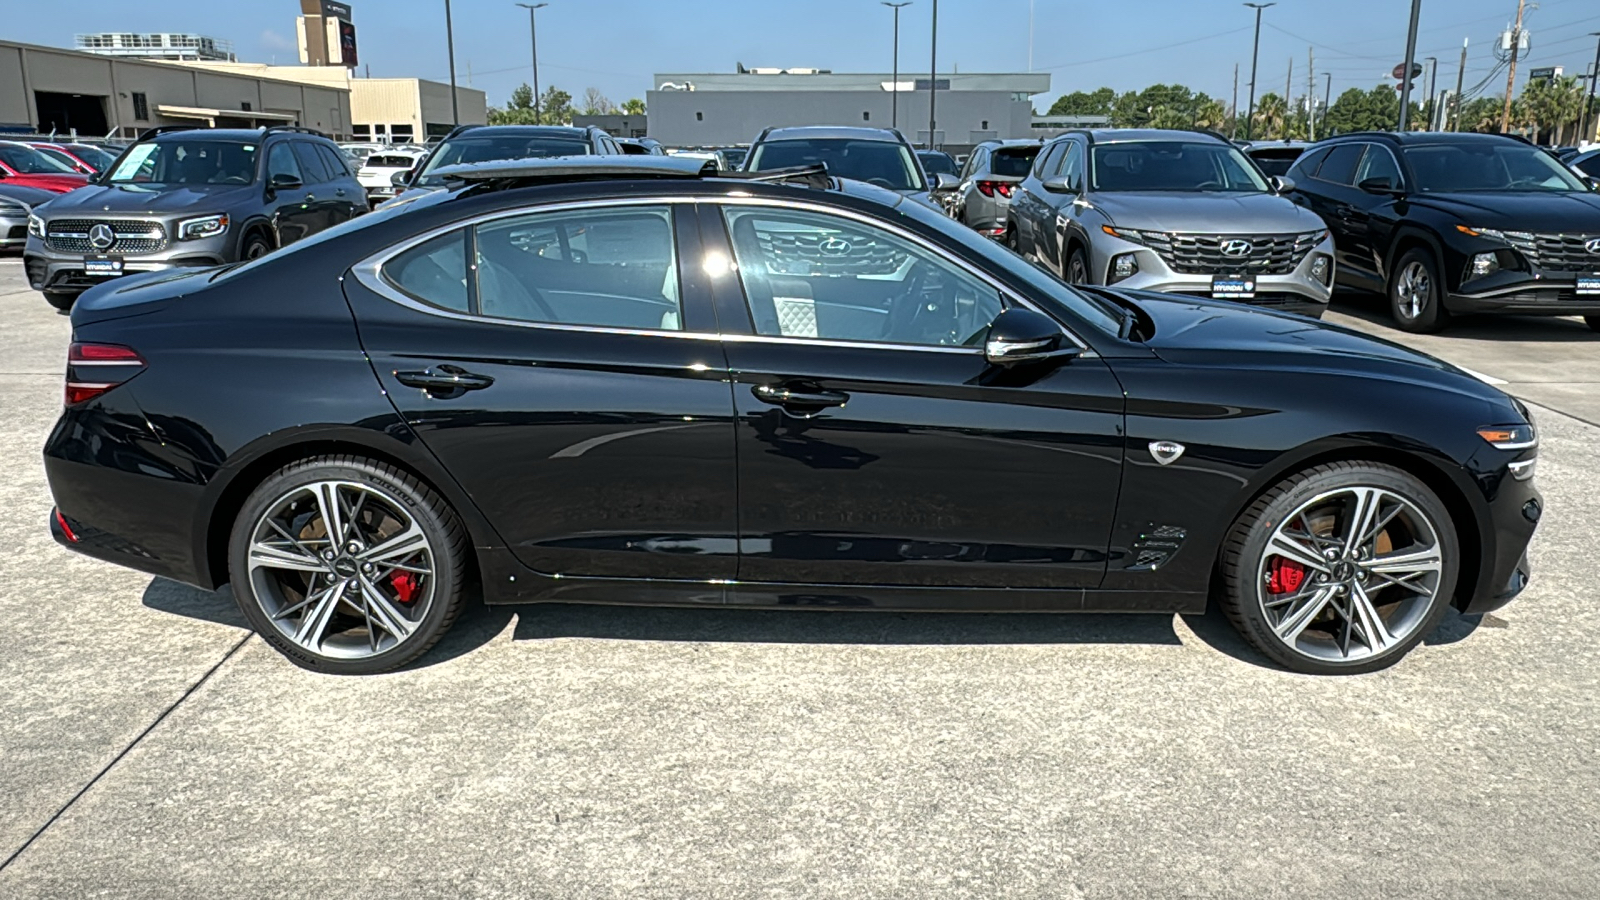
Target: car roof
{"x": 856, "y": 132}
{"x": 1412, "y": 138}
{"x": 561, "y": 167}
{"x": 530, "y": 130}
{"x": 1120, "y": 135}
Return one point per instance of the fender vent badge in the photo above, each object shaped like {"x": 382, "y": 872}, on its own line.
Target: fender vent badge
{"x": 1166, "y": 452}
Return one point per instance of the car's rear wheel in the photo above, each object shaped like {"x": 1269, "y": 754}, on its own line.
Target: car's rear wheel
{"x": 1342, "y": 568}
{"x": 60, "y": 300}
{"x": 1416, "y": 293}
{"x": 347, "y": 565}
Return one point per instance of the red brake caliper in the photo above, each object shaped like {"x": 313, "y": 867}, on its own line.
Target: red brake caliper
{"x": 1284, "y": 575}
{"x": 405, "y": 586}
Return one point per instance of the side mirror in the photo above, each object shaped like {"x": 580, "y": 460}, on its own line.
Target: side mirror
{"x": 285, "y": 181}
{"x": 1060, "y": 184}
{"x": 1281, "y": 184}
{"x": 1592, "y": 182}
{"x": 944, "y": 183}
{"x": 401, "y": 179}
{"x": 1382, "y": 185}
{"x": 1020, "y": 335}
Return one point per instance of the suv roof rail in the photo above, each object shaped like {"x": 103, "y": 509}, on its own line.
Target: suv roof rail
{"x": 814, "y": 175}
{"x": 168, "y": 129}
{"x": 298, "y": 129}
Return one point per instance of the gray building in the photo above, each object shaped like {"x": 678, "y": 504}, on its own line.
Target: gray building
{"x": 621, "y": 125}
{"x": 716, "y": 109}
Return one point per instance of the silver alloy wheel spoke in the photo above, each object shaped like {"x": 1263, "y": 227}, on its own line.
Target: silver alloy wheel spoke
{"x": 1295, "y": 621}
{"x": 266, "y": 555}
{"x": 1288, "y": 548}
{"x": 1367, "y": 501}
{"x": 388, "y": 617}
{"x": 331, "y": 510}
{"x": 1416, "y": 563}
{"x": 1365, "y": 617}
{"x": 315, "y": 621}
{"x": 398, "y": 547}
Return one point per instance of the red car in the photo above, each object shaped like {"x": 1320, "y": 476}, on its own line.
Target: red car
{"x": 24, "y": 166}
{"x": 74, "y": 157}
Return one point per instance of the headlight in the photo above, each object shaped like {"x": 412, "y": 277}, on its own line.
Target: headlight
{"x": 1320, "y": 268}
{"x": 203, "y": 227}
{"x": 35, "y": 226}
{"x": 1510, "y": 437}
{"x": 1484, "y": 264}
{"x": 1135, "y": 235}
{"x": 1514, "y": 238}
{"x": 1123, "y": 265}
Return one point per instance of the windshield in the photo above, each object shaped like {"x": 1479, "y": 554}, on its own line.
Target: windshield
{"x": 94, "y": 156}
{"x": 1448, "y": 168}
{"x": 884, "y": 163}
{"x": 59, "y": 156}
{"x": 29, "y": 161}
{"x": 735, "y": 156}
{"x": 486, "y": 148}
{"x": 187, "y": 162}
{"x": 1013, "y": 163}
{"x": 1173, "y": 166}
{"x": 937, "y": 164}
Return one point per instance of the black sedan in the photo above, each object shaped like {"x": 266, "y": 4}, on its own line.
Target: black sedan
{"x": 630, "y": 381}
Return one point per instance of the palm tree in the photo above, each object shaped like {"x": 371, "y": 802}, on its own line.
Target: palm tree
{"x": 1271, "y": 113}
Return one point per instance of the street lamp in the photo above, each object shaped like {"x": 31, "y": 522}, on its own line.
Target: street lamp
{"x": 450, "y": 48}
{"x": 894, "y": 86}
{"x": 933, "y": 78}
{"x": 1594, "y": 75}
{"x": 533, "y": 38}
{"x": 1255, "y": 51}
{"x": 1433, "y": 69}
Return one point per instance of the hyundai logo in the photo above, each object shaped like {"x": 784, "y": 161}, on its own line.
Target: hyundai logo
{"x": 1237, "y": 248}
{"x": 1592, "y": 245}
{"x": 834, "y": 247}
{"x": 101, "y": 237}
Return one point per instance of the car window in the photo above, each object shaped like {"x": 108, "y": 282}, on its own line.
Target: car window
{"x": 613, "y": 267}
{"x": 280, "y": 161}
{"x": 1047, "y": 159}
{"x": 1489, "y": 166}
{"x": 1589, "y": 165}
{"x": 1013, "y": 162}
{"x": 178, "y": 161}
{"x": 31, "y": 161}
{"x": 812, "y": 275}
{"x": 1340, "y": 165}
{"x": 1072, "y": 166}
{"x": 334, "y": 161}
{"x": 1173, "y": 165}
{"x": 470, "y": 148}
{"x": 434, "y": 271}
{"x": 888, "y": 164}
{"x": 1379, "y": 163}
{"x": 311, "y": 164}
{"x": 1306, "y": 166}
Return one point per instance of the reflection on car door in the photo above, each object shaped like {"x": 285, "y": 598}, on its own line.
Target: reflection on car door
{"x": 1371, "y": 218}
{"x": 293, "y": 214}
{"x": 1029, "y": 203}
{"x": 1335, "y": 198}
{"x": 349, "y": 197}
{"x": 571, "y": 402}
{"x": 876, "y": 445}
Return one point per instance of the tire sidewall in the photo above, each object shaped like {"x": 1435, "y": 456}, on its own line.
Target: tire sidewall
{"x": 1432, "y": 315}
{"x": 448, "y": 572}
{"x": 1076, "y": 260}
{"x": 1257, "y": 530}
{"x": 254, "y": 240}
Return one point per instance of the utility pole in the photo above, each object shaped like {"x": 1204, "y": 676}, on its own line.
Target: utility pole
{"x": 450, "y": 48}
{"x": 1327, "y": 95}
{"x": 1411, "y": 61}
{"x": 1255, "y": 52}
{"x": 1594, "y": 75}
{"x": 894, "y": 93}
{"x": 1511, "y": 76}
{"x": 1311, "y": 95}
{"x": 1461, "y": 72}
{"x": 1288, "y": 93}
{"x": 1234, "y": 108}
{"x": 933, "y": 79}
{"x": 533, "y": 40}
{"x": 1433, "y": 69}
{"x": 1030, "y": 35}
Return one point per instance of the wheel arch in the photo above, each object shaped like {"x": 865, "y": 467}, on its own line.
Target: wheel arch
{"x": 1410, "y": 236}
{"x": 254, "y": 225}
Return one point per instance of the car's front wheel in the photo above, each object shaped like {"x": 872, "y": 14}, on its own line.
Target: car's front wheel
{"x": 1342, "y": 568}
{"x": 1416, "y": 293}
{"x": 255, "y": 246}
{"x": 347, "y": 565}
{"x": 1077, "y": 268}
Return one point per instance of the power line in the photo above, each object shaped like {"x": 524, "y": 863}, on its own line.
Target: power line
{"x": 1085, "y": 62}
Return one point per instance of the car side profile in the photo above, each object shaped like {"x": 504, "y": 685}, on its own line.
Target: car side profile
{"x": 184, "y": 197}
{"x": 25, "y": 166}
{"x": 1445, "y": 223}
{"x": 634, "y": 381}
{"x": 1172, "y": 211}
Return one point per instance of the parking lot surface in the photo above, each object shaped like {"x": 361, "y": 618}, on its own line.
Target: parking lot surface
{"x": 151, "y": 748}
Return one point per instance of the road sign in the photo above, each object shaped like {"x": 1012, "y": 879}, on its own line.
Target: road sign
{"x": 1400, "y": 71}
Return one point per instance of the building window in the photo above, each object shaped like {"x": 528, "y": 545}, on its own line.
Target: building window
{"x": 401, "y": 132}
{"x": 362, "y": 131}
{"x": 141, "y": 108}
{"x": 244, "y": 105}
{"x": 866, "y": 116}
{"x": 699, "y": 117}
{"x": 985, "y": 125}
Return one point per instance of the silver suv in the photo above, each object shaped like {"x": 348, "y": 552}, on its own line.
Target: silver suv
{"x": 1172, "y": 211}
{"x": 189, "y": 197}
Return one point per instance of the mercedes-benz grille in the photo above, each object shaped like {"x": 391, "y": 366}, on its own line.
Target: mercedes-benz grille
{"x": 128, "y": 236}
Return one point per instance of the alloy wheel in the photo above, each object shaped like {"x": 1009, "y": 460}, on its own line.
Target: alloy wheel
{"x": 1413, "y": 290}
{"x": 1350, "y": 574}
{"x": 341, "y": 569}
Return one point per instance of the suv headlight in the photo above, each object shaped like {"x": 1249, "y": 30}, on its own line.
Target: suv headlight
{"x": 1135, "y": 235}
{"x": 1514, "y": 238}
{"x": 203, "y": 227}
{"x": 35, "y": 226}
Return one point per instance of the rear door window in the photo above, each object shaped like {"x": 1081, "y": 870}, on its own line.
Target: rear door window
{"x": 315, "y": 170}
{"x": 280, "y": 161}
{"x": 333, "y": 161}
{"x": 434, "y": 271}
{"x": 1378, "y": 163}
{"x": 1340, "y": 165}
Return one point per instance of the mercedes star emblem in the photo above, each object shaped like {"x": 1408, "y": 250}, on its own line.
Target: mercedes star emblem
{"x": 101, "y": 237}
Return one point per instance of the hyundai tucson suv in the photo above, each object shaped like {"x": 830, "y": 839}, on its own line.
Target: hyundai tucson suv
{"x": 1173, "y": 211}
{"x": 991, "y": 173}
{"x": 879, "y": 156}
{"x": 487, "y": 143}
{"x": 1447, "y": 223}
{"x": 185, "y": 197}
{"x": 635, "y": 381}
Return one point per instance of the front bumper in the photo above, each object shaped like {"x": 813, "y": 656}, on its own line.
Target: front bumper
{"x": 1514, "y": 515}
{"x": 13, "y": 231}
{"x": 1298, "y": 291}
{"x": 1541, "y": 293}
{"x": 60, "y": 272}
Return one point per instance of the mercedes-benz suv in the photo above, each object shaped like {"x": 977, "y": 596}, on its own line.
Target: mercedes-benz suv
{"x": 187, "y": 197}
{"x": 1179, "y": 212}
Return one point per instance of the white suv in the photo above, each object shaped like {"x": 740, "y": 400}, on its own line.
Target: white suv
{"x": 378, "y": 171}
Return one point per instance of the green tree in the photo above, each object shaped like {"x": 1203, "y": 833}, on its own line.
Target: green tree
{"x": 518, "y": 111}
{"x": 555, "y": 107}
{"x": 633, "y": 107}
{"x": 1079, "y": 103}
{"x": 1268, "y": 121}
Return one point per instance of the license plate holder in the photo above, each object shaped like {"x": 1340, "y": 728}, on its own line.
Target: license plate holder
{"x": 1233, "y": 287}
{"x": 110, "y": 266}
{"x": 1589, "y": 285}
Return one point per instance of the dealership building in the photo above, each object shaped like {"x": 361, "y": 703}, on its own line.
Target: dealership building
{"x": 715, "y": 109}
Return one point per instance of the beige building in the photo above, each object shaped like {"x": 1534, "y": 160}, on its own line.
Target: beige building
{"x": 381, "y": 109}
{"x": 48, "y": 89}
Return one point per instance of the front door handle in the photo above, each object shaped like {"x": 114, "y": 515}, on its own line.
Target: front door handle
{"x": 444, "y": 379}
{"x": 783, "y": 395}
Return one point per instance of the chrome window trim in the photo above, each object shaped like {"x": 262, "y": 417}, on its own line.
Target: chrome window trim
{"x": 369, "y": 273}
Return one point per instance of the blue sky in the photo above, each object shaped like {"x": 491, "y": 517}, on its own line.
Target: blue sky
{"x": 617, "y": 45}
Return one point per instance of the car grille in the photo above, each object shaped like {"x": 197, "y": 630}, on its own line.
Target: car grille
{"x": 1558, "y": 252}
{"x": 1203, "y": 254}
{"x": 814, "y": 253}
{"x": 132, "y": 236}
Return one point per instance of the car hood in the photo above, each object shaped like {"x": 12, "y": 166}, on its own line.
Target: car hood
{"x": 1206, "y": 213}
{"x": 200, "y": 199}
{"x": 1537, "y": 211}
{"x": 59, "y": 184}
{"x": 1200, "y": 330}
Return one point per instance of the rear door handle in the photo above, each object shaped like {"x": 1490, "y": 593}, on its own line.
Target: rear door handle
{"x": 783, "y": 395}
{"x": 444, "y": 379}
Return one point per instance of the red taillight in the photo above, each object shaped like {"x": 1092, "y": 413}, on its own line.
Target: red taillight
{"x": 990, "y": 188}
{"x": 93, "y": 369}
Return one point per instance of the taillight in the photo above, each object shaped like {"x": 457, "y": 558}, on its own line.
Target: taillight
{"x": 93, "y": 369}
{"x": 990, "y": 188}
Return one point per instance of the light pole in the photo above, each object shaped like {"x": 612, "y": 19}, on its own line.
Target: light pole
{"x": 933, "y": 78}
{"x": 894, "y": 85}
{"x": 1255, "y": 51}
{"x": 450, "y": 48}
{"x": 1411, "y": 60}
{"x": 533, "y": 38}
{"x": 1594, "y": 75}
{"x": 1433, "y": 69}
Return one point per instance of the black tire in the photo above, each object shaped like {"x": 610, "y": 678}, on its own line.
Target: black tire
{"x": 255, "y": 246}
{"x": 1013, "y": 242}
{"x": 1076, "y": 270}
{"x": 60, "y": 301}
{"x": 1244, "y": 555}
{"x": 447, "y": 540}
{"x": 1593, "y": 322}
{"x": 1430, "y": 314}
